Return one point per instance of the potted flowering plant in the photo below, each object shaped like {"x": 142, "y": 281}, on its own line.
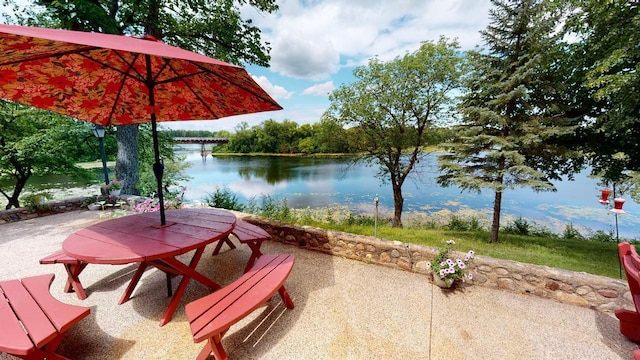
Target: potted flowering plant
{"x": 113, "y": 187}
{"x": 446, "y": 269}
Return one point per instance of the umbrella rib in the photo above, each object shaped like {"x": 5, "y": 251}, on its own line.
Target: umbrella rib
{"x": 183, "y": 77}
{"x": 49, "y": 55}
{"x": 269, "y": 100}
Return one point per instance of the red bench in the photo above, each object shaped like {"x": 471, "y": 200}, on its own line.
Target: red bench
{"x": 73, "y": 267}
{"x": 248, "y": 234}
{"x": 33, "y": 321}
{"x": 211, "y": 317}
{"x": 630, "y": 320}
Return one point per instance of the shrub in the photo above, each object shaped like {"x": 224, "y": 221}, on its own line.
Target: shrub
{"x": 224, "y": 198}
{"x": 519, "y": 226}
{"x": 572, "y": 233}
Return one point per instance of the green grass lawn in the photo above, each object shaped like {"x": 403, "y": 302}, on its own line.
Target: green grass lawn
{"x": 593, "y": 257}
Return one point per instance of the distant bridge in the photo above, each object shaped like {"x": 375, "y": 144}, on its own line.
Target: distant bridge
{"x": 202, "y": 141}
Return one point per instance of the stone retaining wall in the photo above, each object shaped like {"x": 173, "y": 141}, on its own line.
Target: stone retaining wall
{"x": 576, "y": 288}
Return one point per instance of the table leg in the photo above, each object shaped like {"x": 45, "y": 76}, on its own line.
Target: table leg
{"x": 132, "y": 284}
{"x": 73, "y": 279}
{"x": 187, "y": 272}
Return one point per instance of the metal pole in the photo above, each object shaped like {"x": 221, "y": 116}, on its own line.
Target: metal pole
{"x": 104, "y": 161}
{"x": 375, "y": 227}
{"x": 617, "y": 233}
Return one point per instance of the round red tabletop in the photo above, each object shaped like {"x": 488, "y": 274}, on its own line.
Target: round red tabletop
{"x": 140, "y": 237}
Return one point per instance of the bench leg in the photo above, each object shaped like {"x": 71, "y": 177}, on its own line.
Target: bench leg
{"x": 213, "y": 346}
{"x": 73, "y": 279}
{"x": 285, "y": 297}
{"x": 222, "y": 242}
{"x": 255, "y": 254}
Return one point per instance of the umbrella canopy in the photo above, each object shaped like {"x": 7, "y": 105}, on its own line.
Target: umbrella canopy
{"x": 118, "y": 80}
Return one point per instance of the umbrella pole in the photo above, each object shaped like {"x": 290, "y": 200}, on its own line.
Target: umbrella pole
{"x": 158, "y": 167}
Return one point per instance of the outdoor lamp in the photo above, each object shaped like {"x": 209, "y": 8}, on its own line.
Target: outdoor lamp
{"x": 98, "y": 131}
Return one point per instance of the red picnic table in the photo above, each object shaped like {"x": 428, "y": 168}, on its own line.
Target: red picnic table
{"x": 141, "y": 239}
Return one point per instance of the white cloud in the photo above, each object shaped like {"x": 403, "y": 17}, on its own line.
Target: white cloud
{"x": 320, "y": 89}
{"x": 314, "y": 39}
{"x": 275, "y": 91}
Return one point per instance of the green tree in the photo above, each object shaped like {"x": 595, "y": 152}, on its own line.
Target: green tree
{"x": 215, "y": 28}
{"x": 35, "y": 142}
{"x": 330, "y": 137}
{"x": 514, "y": 122}
{"x": 392, "y": 105}
{"x": 606, "y": 69}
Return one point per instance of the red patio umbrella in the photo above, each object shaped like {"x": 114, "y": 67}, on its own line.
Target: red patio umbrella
{"x": 118, "y": 80}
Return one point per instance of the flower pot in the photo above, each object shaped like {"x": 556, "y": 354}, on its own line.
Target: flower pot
{"x": 444, "y": 284}
{"x": 94, "y": 206}
{"x": 114, "y": 192}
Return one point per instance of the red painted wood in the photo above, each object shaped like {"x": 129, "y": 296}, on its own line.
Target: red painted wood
{"x": 248, "y": 234}
{"x": 215, "y": 313}
{"x": 73, "y": 267}
{"x": 141, "y": 239}
{"x": 38, "y": 326}
{"x": 45, "y": 319}
{"x": 630, "y": 320}
{"x": 13, "y": 339}
{"x": 63, "y": 316}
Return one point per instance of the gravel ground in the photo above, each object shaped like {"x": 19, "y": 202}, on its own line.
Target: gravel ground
{"x": 344, "y": 310}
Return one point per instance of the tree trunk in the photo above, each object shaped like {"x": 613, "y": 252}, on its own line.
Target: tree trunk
{"x": 127, "y": 164}
{"x": 495, "y": 224}
{"x": 14, "y": 199}
{"x": 398, "y": 203}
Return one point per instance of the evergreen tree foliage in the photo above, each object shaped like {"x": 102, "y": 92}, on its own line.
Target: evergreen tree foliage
{"x": 514, "y": 121}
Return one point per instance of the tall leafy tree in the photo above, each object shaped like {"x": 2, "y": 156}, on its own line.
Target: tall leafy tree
{"x": 391, "y": 105}
{"x": 214, "y": 28}
{"x": 35, "y": 142}
{"x": 514, "y": 122}
{"x": 606, "y": 60}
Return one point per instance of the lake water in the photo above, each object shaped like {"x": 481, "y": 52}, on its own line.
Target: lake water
{"x": 325, "y": 182}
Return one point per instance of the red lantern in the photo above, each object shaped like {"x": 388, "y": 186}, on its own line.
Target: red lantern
{"x": 617, "y": 205}
{"x": 605, "y": 196}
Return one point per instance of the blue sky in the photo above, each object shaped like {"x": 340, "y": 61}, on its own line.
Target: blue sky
{"x": 316, "y": 44}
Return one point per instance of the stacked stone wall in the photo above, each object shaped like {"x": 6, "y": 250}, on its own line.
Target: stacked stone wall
{"x": 576, "y": 288}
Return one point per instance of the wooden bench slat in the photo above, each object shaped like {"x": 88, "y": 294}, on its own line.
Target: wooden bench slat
{"x": 214, "y": 314}
{"x": 245, "y": 231}
{"x": 63, "y": 316}
{"x": 13, "y": 339}
{"x": 59, "y": 257}
{"x": 38, "y": 326}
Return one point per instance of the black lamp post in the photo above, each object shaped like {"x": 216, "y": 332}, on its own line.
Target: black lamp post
{"x": 98, "y": 131}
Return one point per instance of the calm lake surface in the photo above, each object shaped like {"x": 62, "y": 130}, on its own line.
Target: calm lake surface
{"x": 328, "y": 182}
{"x": 325, "y": 182}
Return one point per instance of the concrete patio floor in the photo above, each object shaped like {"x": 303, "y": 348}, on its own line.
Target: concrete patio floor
{"x": 344, "y": 310}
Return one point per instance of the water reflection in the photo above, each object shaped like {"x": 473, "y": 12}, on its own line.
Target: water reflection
{"x": 324, "y": 182}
